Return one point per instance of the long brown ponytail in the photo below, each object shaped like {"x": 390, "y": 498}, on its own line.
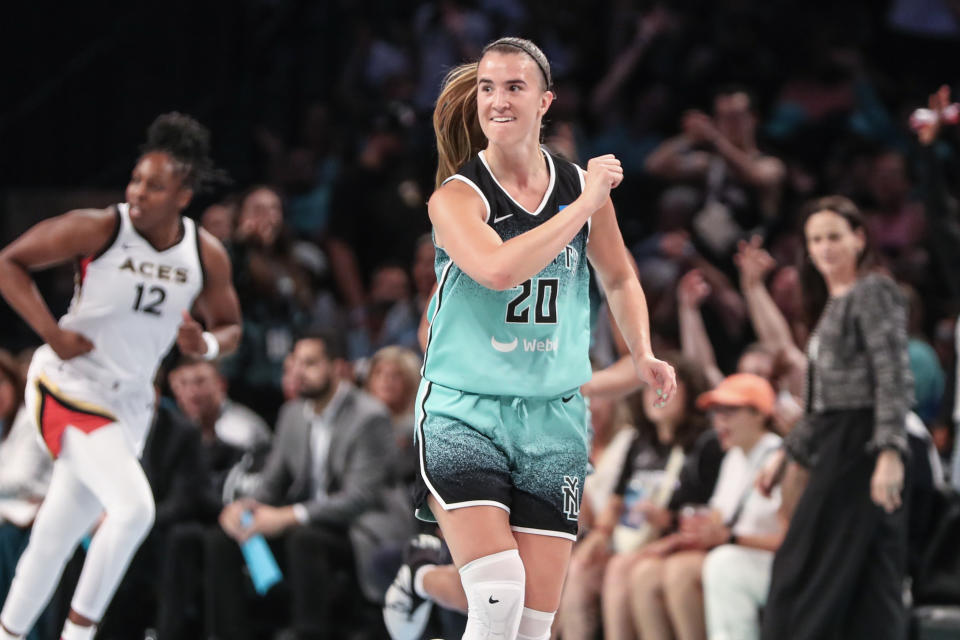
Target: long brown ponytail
{"x": 455, "y": 121}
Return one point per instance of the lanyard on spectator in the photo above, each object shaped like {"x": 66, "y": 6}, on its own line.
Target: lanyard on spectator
{"x": 732, "y": 520}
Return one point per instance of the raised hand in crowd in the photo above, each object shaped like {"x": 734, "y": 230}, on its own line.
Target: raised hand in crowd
{"x": 699, "y": 128}
{"x": 929, "y": 128}
{"x": 692, "y": 290}
{"x": 653, "y": 23}
{"x": 768, "y": 320}
{"x": 649, "y": 27}
{"x": 753, "y": 262}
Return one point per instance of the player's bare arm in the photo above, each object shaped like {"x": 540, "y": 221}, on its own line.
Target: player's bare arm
{"x": 73, "y": 235}
{"x": 217, "y": 304}
{"x": 458, "y": 218}
{"x": 609, "y": 257}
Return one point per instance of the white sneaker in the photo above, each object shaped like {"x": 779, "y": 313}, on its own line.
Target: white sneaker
{"x": 404, "y": 612}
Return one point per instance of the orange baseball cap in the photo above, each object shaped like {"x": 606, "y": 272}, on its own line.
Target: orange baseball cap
{"x": 741, "y": 390}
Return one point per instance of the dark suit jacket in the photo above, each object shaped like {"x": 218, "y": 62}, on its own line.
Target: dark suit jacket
{"x": 174, "y": 465}
{"x": 360, "y": 497}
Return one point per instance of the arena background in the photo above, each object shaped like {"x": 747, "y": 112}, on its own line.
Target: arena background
{"x": 299, "y": 95}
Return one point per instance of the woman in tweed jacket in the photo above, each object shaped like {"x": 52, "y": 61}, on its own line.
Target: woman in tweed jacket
{"x": 840, "y": 569}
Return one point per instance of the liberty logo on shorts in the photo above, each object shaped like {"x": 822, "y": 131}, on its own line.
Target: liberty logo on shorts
{"x": 571, "y": 497}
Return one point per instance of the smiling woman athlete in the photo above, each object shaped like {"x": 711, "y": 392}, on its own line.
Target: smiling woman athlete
{"x": 501, "y": 425}
{"x": 142, "y": 267}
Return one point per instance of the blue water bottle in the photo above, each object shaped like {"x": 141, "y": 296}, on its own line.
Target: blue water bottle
{"x": 260, "y": 561}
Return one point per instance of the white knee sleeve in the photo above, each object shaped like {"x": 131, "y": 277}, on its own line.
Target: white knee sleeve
{"x": 535, "y": 625}
{"x": 494, "y": 586}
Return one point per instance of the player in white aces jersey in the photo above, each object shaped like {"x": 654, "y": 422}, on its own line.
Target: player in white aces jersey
{"x": 142, "y": 269}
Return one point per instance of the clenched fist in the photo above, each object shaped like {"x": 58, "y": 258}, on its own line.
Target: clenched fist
{"x": 190, "y": 337}
{"x": 603, "y": 174}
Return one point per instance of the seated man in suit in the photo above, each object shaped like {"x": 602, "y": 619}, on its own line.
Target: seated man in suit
{"x": 232, "y": 441}
{"x": 235, "y": 439}
{"x": 324, "y": 497}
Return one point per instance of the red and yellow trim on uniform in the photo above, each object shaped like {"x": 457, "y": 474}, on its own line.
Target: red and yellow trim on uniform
{"x": 56, "y": 412}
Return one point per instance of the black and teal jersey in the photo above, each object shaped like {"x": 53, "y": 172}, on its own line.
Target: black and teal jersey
{"x": 532, "y": 340}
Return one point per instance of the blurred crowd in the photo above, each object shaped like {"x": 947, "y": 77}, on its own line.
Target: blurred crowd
{"x": 727, "y": 116}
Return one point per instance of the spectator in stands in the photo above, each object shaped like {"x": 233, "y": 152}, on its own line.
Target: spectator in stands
{"x": 667, "y": 595}
{"x": 940, "y": 205}
{"x": 611, "y": 424}
{"x": 774, "y": 357}
{"x": 447, "y": 32}
{"x": 275, "y": 287}
{"x": 201, "y": 393}
{"x": 377, "y": 211}
{"x": 24, "y": 475}
{"x": 393, "y": 380}
{"x": 929, "y": 380}
{"x": 852, "y": 438}
{"x": 220, "y": 220}
{"x": 926, "y": 493}
{"x": 306, "y": 169}
{"x": 943, "y": 243}
{"x": 668, "y": 253}
{"x": 631, "y": 126}
{"x": 896, "y": 223}
{"x": 323, "y": 494}
{"x": 741, "y": 186}
{"x": 389, "y": 316}
{"x": 666, "y": 440}
{"x": 233, "y": 441}
{"x": 768, "y": 318}
{"x": 942, "y": 428}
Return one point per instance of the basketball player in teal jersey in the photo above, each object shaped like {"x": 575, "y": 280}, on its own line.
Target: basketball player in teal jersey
{"x": 501, "y": 425}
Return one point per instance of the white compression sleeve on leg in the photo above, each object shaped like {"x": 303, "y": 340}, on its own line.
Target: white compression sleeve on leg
{"x": 535, "y": 625}
{"x": 73, "y": 631}
{"x": 494, "y": 586}
{"x": 107, "y": 466}
{"x": 67, "y": 513}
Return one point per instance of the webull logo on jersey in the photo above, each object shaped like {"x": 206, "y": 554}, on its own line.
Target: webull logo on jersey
{"x": 542, "y": 346}
{"x": 158, "y": 271}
